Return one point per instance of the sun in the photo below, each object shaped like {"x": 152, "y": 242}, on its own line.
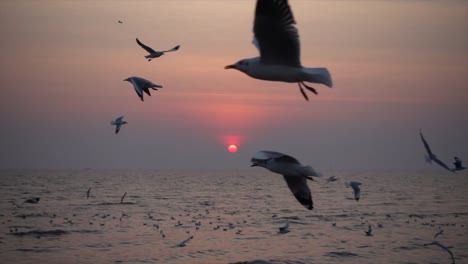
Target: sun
{"x": 232, "y": 148}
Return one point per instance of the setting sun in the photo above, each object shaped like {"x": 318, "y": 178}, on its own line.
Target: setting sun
{"x": 232, "y": 148}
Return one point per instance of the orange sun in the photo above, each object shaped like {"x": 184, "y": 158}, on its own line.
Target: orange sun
{"x": 232, "y": 148}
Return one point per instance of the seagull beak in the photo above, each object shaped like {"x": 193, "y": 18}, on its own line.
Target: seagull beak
{"x": 126, "y": 80}
{"x": 254, "y": 163}
{"x": 232, "y": 66}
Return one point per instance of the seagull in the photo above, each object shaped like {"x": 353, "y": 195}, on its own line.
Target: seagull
{"x": 277, "y": 39}
{"x": 120, "y": 22}
{"x": 369, "y": 231}
{"x": 332, "y": 179}
{"x": 155, "y": 54}
{"x": 118, "y": 123}
{"x": 431, "y": 156}
{"x": 142, "y": 85}
{"x": 284, "y": 229}
{"x": 33, "y": 200}
{"x": 444, "y": 248}
{"x": 293, "y": 172}
{"x": 89, "y": 190}
{"x": 123, "y": 197}
{"x": 356, "y": 189}
{"x": 184, "y": 243}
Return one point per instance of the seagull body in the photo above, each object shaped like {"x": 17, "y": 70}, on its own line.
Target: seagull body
{"x": 153, "y": 53}
{"x": 369, "y": 231}
{"x": 184, "y": 243}
{"x": 356, "y": 189}
{"x": 438, "y": 233}
{"x": 118, "y": 123}
{"x": 294, "y": 173}
{"x": 431, "y": 156}
{"x": 277, "y": 39}
{"x": 33, "y": 200}
{"x": 142, "y": 85}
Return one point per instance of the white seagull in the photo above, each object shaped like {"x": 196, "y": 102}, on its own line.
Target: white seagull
{"x": 356, "y": 189}
{"x": 153, "y": 53}
{"x": 118, "y": 123}
{"x": 293, "y": 172}
{"x": 277, "y": 39}
{"x": 431, "y": 156}
{"x": 142, "y": 85}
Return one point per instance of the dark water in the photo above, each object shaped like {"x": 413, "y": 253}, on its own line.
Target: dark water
{"x": 233, "y": 217}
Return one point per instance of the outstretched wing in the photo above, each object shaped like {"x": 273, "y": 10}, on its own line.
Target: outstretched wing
{"x": 426, "y": 145}
{"x": 148, "y": 49}
{"x": 275, "y": 33}
{"x": 301, "y": 191}
{"x": 173, "y": 49}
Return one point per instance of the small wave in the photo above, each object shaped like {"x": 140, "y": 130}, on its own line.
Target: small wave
{"x": 57, "y": 232}
{"x": 341, "y": 254}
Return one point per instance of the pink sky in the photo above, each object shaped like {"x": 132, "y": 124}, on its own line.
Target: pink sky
{"x": 397, "y": 66}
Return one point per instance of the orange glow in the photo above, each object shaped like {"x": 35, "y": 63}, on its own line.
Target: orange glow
{"x": 232, "y": 148}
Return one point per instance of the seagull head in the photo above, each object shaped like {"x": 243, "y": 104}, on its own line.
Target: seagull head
{"x": 259, "y": 162}
{"x": 242, "y": 65}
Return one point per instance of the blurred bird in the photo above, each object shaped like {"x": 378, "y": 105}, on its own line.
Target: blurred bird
{"x": 118, "y": 123}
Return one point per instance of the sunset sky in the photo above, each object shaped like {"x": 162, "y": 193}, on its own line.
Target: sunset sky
{"x": 397, "y": 66}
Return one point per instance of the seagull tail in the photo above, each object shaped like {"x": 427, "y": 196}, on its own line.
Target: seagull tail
{"x": 318, "y": 75}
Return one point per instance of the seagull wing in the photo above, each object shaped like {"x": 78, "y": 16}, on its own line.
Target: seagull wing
{"x": 278, "y": 156}
{"x": 148, "y": 49}
{"x": 301, "y": 191}
{"x": 442, "y": 164}
{"x": 173, "y": 49}
{"x": 275, "y": 33}
{"x": 426, "y": 145}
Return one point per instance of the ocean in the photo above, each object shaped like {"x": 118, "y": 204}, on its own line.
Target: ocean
{"x": 233, "y": 217}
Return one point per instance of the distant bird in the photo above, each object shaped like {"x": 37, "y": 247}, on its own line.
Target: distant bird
{"x": 431, "y": 156}
{"x": 33, "y": 200}
{"x": 369, "y": 231}
{"x": 118, "y": 123}
{"x": 123, "y": 197}
{"x": 277, "y": 39}
{"x": 438, "y": 233}
{"x": 293, "y": 172}
{"x": 153, "y": 53}
{"x": 120, "y": 22}
{"x": 184, "y": 243}
{"x": 89, "y": 190}
{"x": 284, "y": 229}
{"x": 458, "y": 164}
{"x": 332, "y": 179}
{"x": 442, "y": 247}
{"x": 356, "y": 189}
{"x": 141, "y": 85}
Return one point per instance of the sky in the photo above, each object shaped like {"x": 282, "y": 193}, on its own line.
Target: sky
{"x": 397, "y": 67}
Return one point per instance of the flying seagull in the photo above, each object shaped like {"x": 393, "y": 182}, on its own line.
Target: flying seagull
{"x": 431, "y": 156}
{"x": 184, "y": 243}
{"x": 277, "y": 39}
{"x": 153, "y": 53}
{"x": 356, "y": 189}
{"x": 293, "y": 172}
{"x": 142, "y": 85}
{"x": 444, "y": 248}
{"x": 118, "y": 123}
